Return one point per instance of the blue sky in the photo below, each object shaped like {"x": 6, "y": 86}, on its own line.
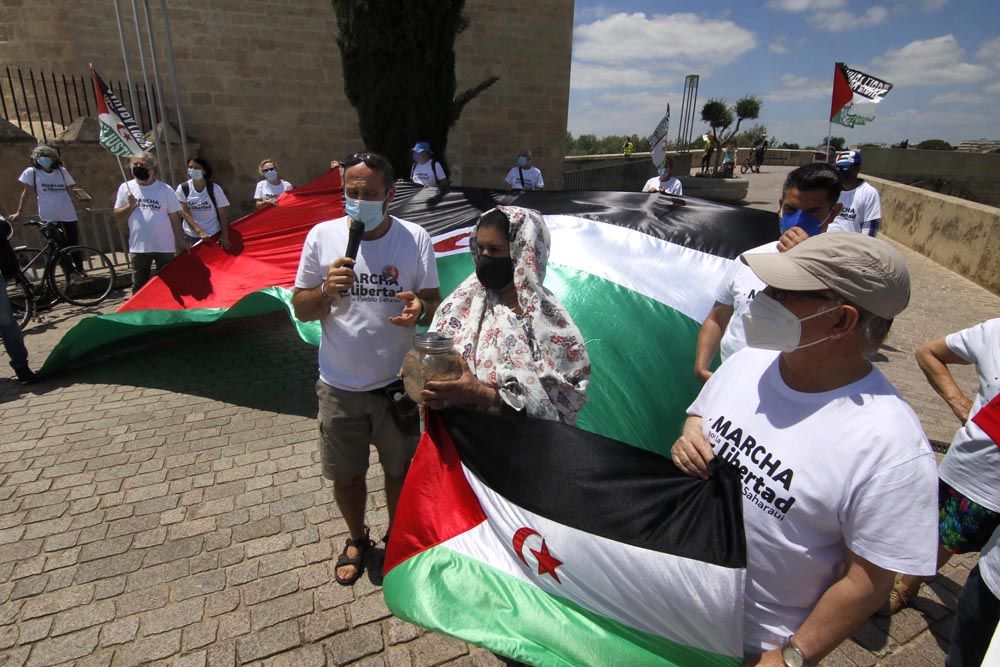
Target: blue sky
{"x": 943, "y": 57}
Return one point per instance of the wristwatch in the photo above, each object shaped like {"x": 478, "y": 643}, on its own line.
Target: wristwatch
{"x": 792, "y": 656}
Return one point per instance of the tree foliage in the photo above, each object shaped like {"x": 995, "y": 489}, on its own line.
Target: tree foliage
{"x": 935, "y": 145}
{"x": 720, "y": 118}
{"x": 398, "y": 62}
{"x": 836, "y": 143}
{"x": 590, "y": 144}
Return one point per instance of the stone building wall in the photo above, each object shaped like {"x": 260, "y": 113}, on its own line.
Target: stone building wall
{"x": 263, "y": 79}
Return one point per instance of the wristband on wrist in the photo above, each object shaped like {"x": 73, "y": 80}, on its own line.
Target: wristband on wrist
{"x": 322, "y": 290}
{"x": 423, "y": 311}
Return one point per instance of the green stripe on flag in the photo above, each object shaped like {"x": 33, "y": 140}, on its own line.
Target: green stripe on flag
{"x": 481, "y": 605}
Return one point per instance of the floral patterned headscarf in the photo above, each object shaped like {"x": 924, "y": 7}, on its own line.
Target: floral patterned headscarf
{"x": 537, "y": 360}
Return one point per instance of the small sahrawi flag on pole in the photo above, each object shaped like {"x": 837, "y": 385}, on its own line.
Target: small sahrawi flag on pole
{"x": 557, "y": 547}
{"x": 851, "y": 86}
{"x": 119, "y": 133}
{"x": 849, "y": 118}
{"x": 658, "y": 139}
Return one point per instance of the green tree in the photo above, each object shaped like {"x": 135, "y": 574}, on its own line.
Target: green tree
{"x": 935, "y": 145}
{"x": 400, "y": 79}
{"x": 720, "y": 118}
{"x": 836, "y": 143}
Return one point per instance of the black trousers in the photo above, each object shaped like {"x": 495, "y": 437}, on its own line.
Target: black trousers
{"x": 975, "y": 622}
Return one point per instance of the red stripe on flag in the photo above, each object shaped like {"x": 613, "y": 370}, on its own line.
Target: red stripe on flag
{"x": 988, "y": 419}
{"x": 436, "y": 503}
{"x": 102, "y": 106}
{"x": 842, "y": 91}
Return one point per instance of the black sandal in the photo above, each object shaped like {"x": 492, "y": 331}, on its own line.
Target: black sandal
{"x": 358, "y": 562}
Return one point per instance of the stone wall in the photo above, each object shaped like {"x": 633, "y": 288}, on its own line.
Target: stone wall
{"x": 263, "y": 79}
{"x": 962, "y": 236}
{"x": 978, "y": 174}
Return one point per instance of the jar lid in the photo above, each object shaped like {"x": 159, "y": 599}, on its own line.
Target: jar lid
{"x": 432, "y": 341}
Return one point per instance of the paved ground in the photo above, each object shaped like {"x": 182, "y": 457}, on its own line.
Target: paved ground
{"x": 164, "y": 506}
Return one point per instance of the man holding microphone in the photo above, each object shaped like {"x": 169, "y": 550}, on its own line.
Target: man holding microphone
{"x": 365, "y": 337}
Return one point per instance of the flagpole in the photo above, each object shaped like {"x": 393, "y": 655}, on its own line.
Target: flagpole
{"x": 164, "y": 120}
{"x": 125, "y": 178}
{"x": 829, "y": 131}
{"x": 145, "y": 81}
{"x": 173, "y": 76}
{"x": 128, "y": 73}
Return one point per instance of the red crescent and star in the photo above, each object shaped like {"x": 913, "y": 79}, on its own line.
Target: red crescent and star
{"x": 547, "y": 563}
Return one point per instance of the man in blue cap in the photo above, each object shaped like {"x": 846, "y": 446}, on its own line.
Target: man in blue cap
{"x": 427, "y": 171}
{"x": 861, "y": 210}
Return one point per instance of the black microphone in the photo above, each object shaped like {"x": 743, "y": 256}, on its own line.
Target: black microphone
{"x": 354, "y": 242}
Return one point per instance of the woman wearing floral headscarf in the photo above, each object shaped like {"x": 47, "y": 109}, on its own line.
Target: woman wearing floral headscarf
{"x": 520, "y": 346}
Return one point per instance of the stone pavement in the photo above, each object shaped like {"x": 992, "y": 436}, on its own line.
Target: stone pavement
{"x": 164, "y": 506}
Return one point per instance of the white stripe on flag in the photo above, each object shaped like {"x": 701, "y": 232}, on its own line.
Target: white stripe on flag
{"x": 704, "y": 608}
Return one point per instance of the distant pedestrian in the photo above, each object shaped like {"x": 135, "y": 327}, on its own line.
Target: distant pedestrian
{"x": 628, "y": 147}
{"x": 154, "y": 220}
{"x": 271, "y": 187}
{"x": 52, "y": 185}
{"x": 524, "y": 176}
{"x": 204, "y": 205}
{"x": 427, "y": 171}
{"x": 710, "y": 145}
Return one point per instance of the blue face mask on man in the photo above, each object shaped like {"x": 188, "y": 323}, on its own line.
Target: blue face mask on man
{"x": 44, "y": 162}
{"x": 810, "y": 224}
{"x": 522, "y": 161}
{"x": 368, "y": 213}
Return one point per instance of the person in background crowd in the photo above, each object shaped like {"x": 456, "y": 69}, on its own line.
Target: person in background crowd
{"x": 838, "y": 479}
{"x": 978, "y": 612}
{"x": 520, "y": 346}
{"x": 524, "y": 177}
{"x": 270, "y": 188}
{"x": 759, "y": 149}
{"x": 861, "y": 210}
{"x": 969, "y": 476}
{"x": 666, "y": 182}
{"x": 807, "y": 205}
{"x": 51, "y": 183}
{"x": 204, "y": 205}
{"x": 427, "y": 171}
{"x": 10, "y": 332}
{"x": 710, "y": 145}
{"x": 154, "y": 220}
{"x": 368, "y": 309}
{"x": 728, "y": 161}
{"x": 628, "y": 147}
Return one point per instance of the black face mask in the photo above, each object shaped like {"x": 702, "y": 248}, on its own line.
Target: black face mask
{"x": 141, "y": 173}
{"x": 495, "y": 273}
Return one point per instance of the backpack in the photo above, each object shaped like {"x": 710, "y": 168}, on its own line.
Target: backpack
{"x": 434, "y": 164}
{"x": 209, "y": 185}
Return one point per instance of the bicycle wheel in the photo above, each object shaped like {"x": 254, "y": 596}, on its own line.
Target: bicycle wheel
{"x": 744, "y": 167}
{"x": 22, "y": 303}
{"x": 81, "y": 275}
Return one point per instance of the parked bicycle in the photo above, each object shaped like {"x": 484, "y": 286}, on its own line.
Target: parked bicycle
{"x": 752, "y": 163}
{"x": 79, "y": 274}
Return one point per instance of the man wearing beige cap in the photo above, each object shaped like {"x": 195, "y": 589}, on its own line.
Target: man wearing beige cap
{"x": 839, "y": 482}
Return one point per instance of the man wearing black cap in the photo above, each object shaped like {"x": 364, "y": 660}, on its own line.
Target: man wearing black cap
{"x": 861, "y": 206}
{"x": 839, "y": 481}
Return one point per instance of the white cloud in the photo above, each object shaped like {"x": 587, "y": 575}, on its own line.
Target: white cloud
{"x": 927, "y": 61}
{"x": 778, "y": 47}
{"x": 585, "y": 76}
{"x": 993, "y": 88}
{"x": 612, "y": 113}
{"x": 794, "y": 88}
{"x": 806, "y": 5}
{"x": 989, "y": 51}
{"x": 677, "y": 41}
{"x": 845, "y": 20}
{"x": 955, "y": 98}
{"x": 934, "y": 5}
{"x": 591, "y": 13}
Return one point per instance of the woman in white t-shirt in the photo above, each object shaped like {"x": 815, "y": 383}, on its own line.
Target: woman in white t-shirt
{"x": 269, "y": 189}
{"x": 51, "y": 183}
{"x": 524, "y": 176}
{"x": 204, "y": 206}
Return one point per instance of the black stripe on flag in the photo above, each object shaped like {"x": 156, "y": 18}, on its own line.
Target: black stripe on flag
{"x": 602, "y": 486}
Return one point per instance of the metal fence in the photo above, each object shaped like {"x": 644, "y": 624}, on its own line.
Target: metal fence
{"x": 44, "y": 104}
{"x": 98, "y": 228}
{"x": 623, "y": 177}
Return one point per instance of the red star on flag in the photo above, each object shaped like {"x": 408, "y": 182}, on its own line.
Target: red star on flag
{"x": 547, "y": 563}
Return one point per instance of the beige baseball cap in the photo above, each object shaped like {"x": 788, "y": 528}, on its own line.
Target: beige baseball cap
{"x": 866, "y": 271}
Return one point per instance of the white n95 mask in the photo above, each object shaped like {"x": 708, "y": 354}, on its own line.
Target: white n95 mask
{"x": 771, "y": 326}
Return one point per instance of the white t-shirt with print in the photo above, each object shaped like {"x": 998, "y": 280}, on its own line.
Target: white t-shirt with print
{"x": 54, "y": 202}
{"x": 149, "y": 228}
{"x": 532, "y": 178}
{"x": 861, "y": 206}
{"x": 672, "y": 186}
{"x": 823, "y": 473}
{"x": 428, "y": 173}
{"x": 972, "y": 464}
{"x": 201, "y": 208}
{"x": 738, "y": 287}
{"x": 267, "y": 190}
{"x": 989, "y": 564}
{"x": 360, "y": 349}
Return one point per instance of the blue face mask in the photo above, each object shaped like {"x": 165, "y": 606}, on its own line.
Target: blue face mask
{"x": 662, "y": 171}
{"x": 44, "y": 162}
{"x": 271, "y": 174}
{"x": 195, "y": 174}
{"x": 522, "y": 161}
{"x": 368, "y": 213}
{"x": 810, "y": 224}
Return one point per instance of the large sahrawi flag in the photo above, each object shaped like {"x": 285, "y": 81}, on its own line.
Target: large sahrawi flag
{"x": 852, "y": 86}
{"x": 555, "y": 546}
{"x": 119, "y": 133}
